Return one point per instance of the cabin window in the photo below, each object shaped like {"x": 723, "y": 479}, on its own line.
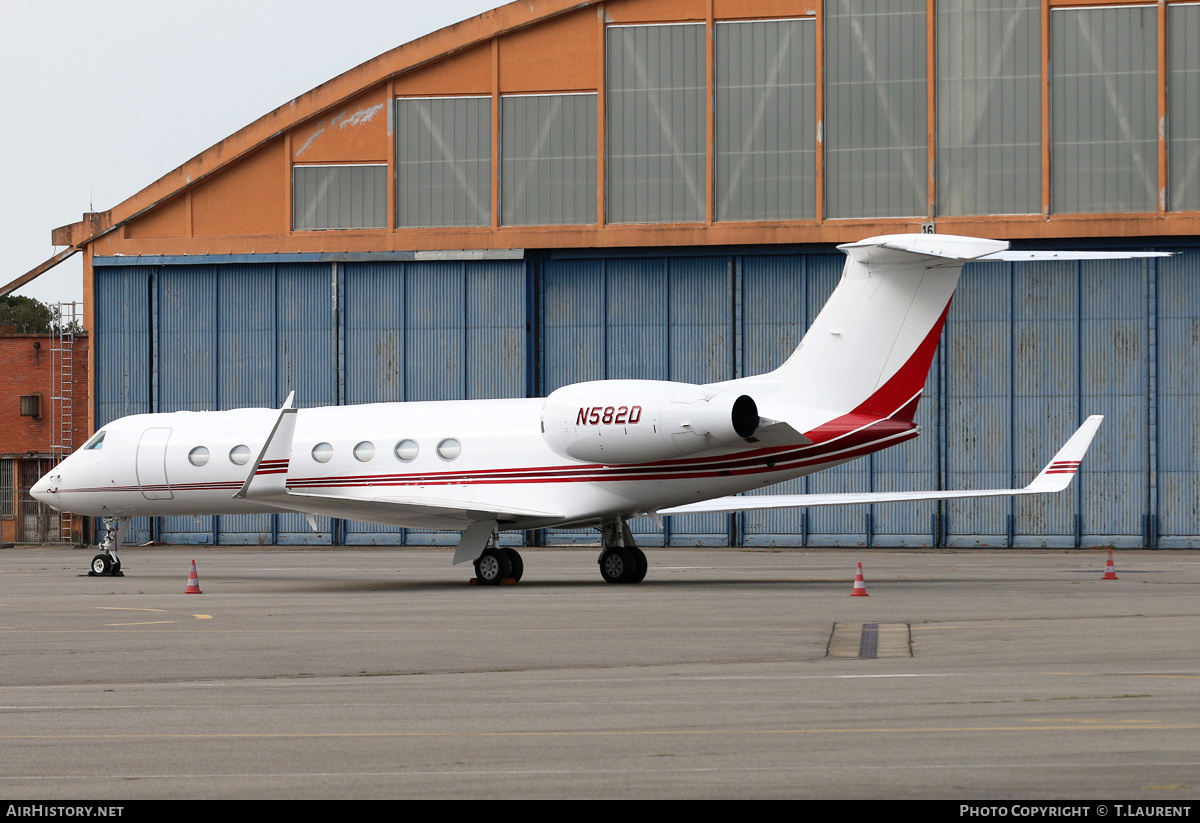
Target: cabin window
{"x": 322, "y": 452}
{"x": 198, "y": 456}
{"x": 239, "y": 455}
{"x": 406, "y": 451}
{"x": 364, "y": 451}
{"x": 449, "y": 449}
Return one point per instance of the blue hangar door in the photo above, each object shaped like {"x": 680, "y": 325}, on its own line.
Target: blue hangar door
{"x": 1029, "y": 350}
{"x": 226, "y": 335}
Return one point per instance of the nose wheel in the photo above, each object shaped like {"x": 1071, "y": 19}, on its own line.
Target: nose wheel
{"x": 103, "y": 564}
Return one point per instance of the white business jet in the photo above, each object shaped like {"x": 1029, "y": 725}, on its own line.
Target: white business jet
{"x": 591, "y": 454}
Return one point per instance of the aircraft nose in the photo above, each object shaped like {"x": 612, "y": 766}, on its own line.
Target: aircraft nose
{"x": 46, "y": 489}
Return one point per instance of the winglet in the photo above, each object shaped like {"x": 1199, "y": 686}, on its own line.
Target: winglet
{"x": 268, "y": 474}
{"x": 1061, "y": 469}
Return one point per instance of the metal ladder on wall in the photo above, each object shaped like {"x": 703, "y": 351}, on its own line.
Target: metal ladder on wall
{"x": 65, "y": 324}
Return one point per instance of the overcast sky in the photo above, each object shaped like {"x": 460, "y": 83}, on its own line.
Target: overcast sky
{"x": 100, "y": 99}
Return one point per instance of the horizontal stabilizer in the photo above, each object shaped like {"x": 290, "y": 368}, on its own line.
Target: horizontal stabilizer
{"x": 1032, "y": 256}
{"x": 1055, "y": 477}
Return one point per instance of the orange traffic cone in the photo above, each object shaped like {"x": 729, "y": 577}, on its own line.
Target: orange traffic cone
{"x": 193, "y": 586}
{"x": 1110, "y": 572}
{"x": 860, "y": 585}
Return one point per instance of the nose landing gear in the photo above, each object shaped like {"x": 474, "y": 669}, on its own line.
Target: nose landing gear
{"x": 107, "y": 563}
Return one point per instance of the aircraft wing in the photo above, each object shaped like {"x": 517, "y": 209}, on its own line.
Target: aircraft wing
{"x": 423, "y": 513}
{"x": 1055, "y": 477}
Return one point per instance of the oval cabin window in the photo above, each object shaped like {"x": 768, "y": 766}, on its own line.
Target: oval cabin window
{"x": 322, "y": 452}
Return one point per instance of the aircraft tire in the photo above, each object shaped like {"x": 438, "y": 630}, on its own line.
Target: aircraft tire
{"x": 640, "y": 565}
{"x": 617, "y": 565}
{"x": 517, "y": 564}
{"x": 492, "y": 567}
{"x": 101, "y": 565}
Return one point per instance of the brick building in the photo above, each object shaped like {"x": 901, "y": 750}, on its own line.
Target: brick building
{"x": 43, "y": 415}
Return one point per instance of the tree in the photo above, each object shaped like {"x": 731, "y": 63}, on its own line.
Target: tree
{"x": 24, "y": 315}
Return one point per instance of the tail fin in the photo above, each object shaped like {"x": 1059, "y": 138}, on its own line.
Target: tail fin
{"x": 870, "y": 348}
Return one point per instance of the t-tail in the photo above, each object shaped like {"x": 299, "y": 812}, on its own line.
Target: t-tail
{"x": 869, "y": 350}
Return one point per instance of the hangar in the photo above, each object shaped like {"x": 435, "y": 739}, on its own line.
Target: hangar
{"x": 565, "y": 190}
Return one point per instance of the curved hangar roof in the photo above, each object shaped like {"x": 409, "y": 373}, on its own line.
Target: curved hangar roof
{"x": 551, "y": 123}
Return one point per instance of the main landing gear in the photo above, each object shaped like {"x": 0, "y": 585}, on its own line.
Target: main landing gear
{"x": 497, "y": 564}
{"x": 621, "y": 561}
{"x": 107, "y": 563}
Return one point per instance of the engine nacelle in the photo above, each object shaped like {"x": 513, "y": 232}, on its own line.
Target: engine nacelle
{"x": 640, "y": 421}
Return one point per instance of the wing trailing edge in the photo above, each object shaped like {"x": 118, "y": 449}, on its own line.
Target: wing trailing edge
{"x": 1055, "y": 477}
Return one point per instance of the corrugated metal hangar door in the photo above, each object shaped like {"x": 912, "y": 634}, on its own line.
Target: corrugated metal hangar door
{"x": 1029, "y": 350}
{"x": 230, "y": 335}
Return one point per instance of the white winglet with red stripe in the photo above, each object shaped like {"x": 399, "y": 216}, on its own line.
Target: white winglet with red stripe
{"x": 1054, "y": 478}
{"x": 268, "y": 474}
{"x": 1058, "y": 472}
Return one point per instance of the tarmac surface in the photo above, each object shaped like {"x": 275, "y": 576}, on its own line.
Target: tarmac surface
{"x": 378, "y": 673}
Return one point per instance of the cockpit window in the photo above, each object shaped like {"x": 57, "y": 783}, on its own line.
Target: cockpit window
{"x": 96, "y": 443}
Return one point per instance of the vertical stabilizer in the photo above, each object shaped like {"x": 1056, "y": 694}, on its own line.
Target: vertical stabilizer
{"x": 871, "y": 346}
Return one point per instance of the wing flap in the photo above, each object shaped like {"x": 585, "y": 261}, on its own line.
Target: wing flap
{"x": 422, "y": 513}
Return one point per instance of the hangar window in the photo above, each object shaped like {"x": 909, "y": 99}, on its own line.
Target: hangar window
{"x": 239, "y": 455}
{"x": 443, "y": 161}
{"x": 406, "y": 451}
{"x": 339, "y": 197}
{"x": 364, "y": 451}
{"x": 1183, "y": 76}
{"x": 656, "y": 113}
{"x": 989, "y": 107}
{"x": 1104, "y": 143}
{"x": 322, "y": 452}
{"x": 876, "y": 122}
{"x": 765, "y": 142}
{"x": 449, "y": 449}
{"x": 198, "y": 456}
{"x": 548, "y": 159}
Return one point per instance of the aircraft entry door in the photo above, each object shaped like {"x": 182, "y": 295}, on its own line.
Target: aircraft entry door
{"x": 152, "y": 464}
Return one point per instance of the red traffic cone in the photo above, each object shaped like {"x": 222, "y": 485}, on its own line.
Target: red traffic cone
{"x": 193, "y": 586}
{"x": 1110, "y": 572}
{"x": 860, "y": 585}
